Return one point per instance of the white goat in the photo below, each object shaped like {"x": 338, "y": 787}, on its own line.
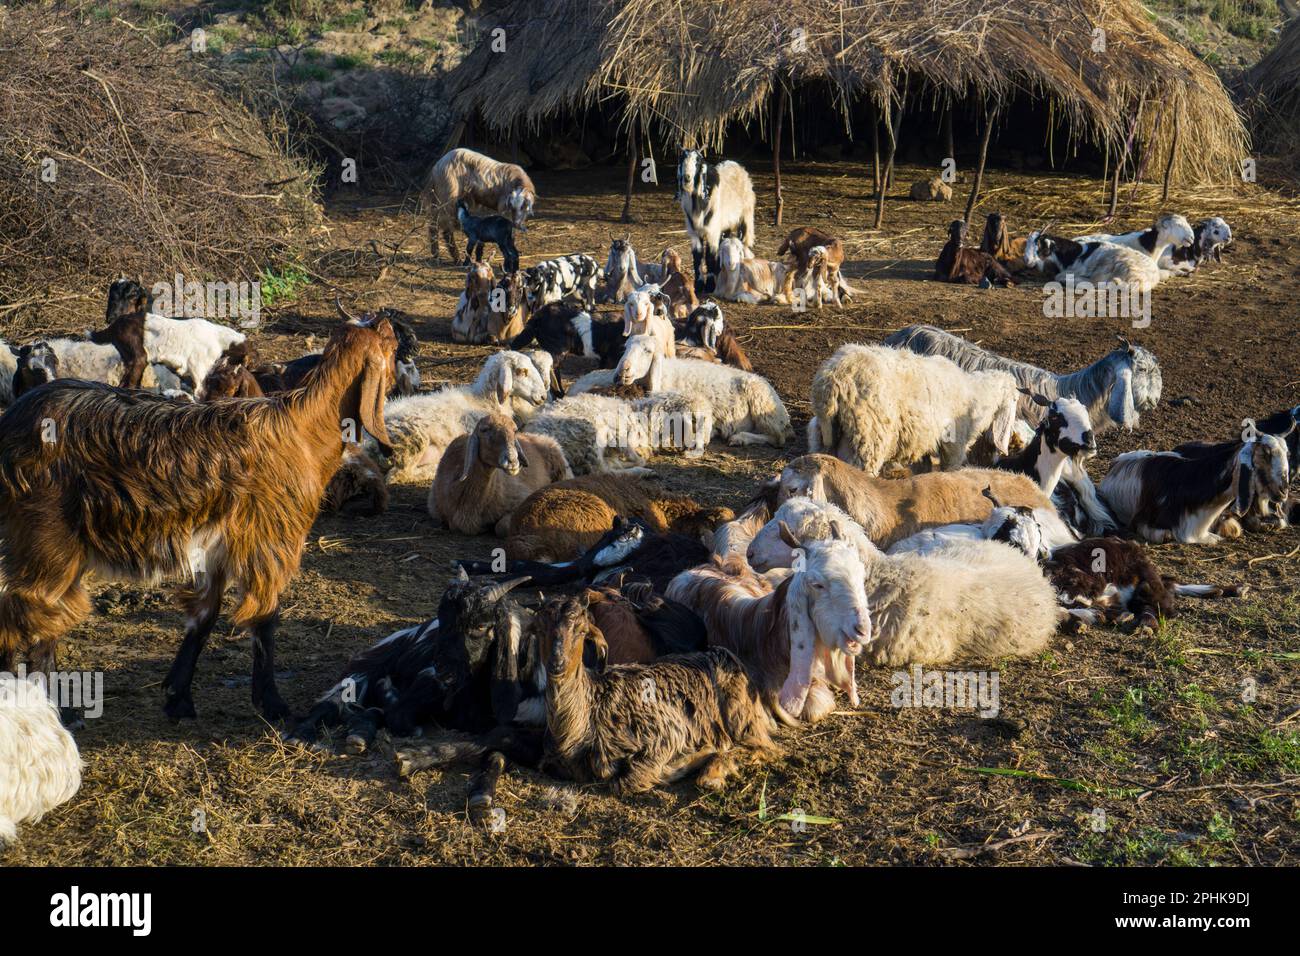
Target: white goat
{"x": 873, "y": 404}
{"x": 422, "y": 426}
{"x": 189, "y": 347}
{"x": 39, "y": 764}
{"x": 746, "y": 408}
{"x": 1102, "y": 264}
{"x": 1157, "y": 242}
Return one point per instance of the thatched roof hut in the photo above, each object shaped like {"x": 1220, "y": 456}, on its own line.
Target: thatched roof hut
{"x": 1275, "y": 94}
{"x": 686, "y": 69}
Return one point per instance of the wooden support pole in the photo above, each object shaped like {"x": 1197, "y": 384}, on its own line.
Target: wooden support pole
{"x": 990, "y": 114}
{"x": 776, "y": 146}
{"x": 948, "y": 147}
{"x": 1169, "y": 165}
{"x": 631, "y": 173}
{"x": 893, "y": 122}
{"x": 875, "y": 151}
{"x": 1114, "y": 189}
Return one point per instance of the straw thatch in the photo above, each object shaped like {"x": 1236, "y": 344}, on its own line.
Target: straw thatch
{"x": 1275, "y": 94}
{"x": 688, "y": 68}
{"x": 116, "y": 157}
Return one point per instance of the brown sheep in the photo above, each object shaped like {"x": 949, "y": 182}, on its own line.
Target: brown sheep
{"x": 641, "y": 725}
{"x": 562, "y": 521}
{"x": 462, "y": 174}
{"x": 484, "y": 475}
{"x": 144, "y": 488}
{"x": 890, "y": 510}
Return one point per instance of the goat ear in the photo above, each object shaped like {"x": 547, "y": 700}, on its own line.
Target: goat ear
{"x": 471, "y": 455}
{"x": 376, "y": 376}
{"x": 519, "y": 449}
{"x": 803, "y": 646}
{"x": 988, "y": 493}
{"x": 788, "y": 536}
{"x": 1245, "y": 479}
{"x": 837, "y": 533}
{"x": 505, "y": 382}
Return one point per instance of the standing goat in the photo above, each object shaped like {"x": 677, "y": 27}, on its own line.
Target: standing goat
{"x": 463, "y": 174}
{"x": 480, "y": 230}
{"x": 716, "y": 201}
{"x": 125, "y": 483}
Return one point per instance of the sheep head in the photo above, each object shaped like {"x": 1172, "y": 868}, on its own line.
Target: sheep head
{"x": 494, "y": 443}
{"x": 640, "y": 361}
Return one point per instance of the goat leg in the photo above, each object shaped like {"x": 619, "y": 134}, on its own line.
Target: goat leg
{"x": 201, "y": 609}
{"x": 266, "y": 696}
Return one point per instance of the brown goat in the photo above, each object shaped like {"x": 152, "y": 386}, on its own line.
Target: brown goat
{"x": 562, "y": 521}
{"x": 968, "y": 266}
{"x": 474, "y": 309}
{"x": 484, "y": 475}
{"x": 998, "y": 243}
{"x": 142, "y": 488}
{"x": 358, "y": 486}
{"x": 800, "y": 243}
{"x": 231, "y": 377}
{"x": 675, "y": 285}
{"x": 642, "y": 725}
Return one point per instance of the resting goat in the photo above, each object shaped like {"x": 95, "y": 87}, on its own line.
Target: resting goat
{"x": 705, "y": 328}
{"x": 997, "y": 242}
{"x": 968, "y": 266}
{"x": 1169, "y": 233}
{"x": 1167, "y": 496}
{"x": 146, "y": 505}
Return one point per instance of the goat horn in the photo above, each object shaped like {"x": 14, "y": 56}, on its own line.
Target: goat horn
{"x": 988, "y": 493}
{"x": 338, "y": 304}
{"x": 495, "y": 592}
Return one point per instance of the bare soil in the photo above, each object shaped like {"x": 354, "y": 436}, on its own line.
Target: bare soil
{"x": 1182, "y": 747}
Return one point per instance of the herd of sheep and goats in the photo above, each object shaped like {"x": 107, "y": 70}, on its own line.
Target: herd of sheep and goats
{"x": 943, "y": 512}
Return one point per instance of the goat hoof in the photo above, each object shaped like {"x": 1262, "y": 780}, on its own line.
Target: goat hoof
{"x": 180, "y": 708}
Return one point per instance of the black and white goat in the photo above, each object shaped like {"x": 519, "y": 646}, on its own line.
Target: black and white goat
{"x": 1103, "y": 264}
{"x": 1158, "y": 242}
{"x": 1172, "y": 496}
{"x": 717, "y": 200}
{"x": 1104, "y": 580}
{"x": 37, "y": 364}
{"x": 1211, "y": 235}
{"x": 1269, "y": 511}
{"x": 562, "y": 329}
{"x": 480, "y": 230}
{"x": 566, "y": 277}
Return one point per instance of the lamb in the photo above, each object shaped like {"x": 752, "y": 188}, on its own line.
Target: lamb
{"x": 1115, "y": 389}
{"x": 41, "y": 766}
{"x": 128, "y": 490}
{"x": 642, "y": 316}
{"x": 1102, "y": 264}
{"x": 641, "y": 725}
{"x": 474, "y": 307}
{"x": 967, "y": 599}
{"x": 1101, "y": 579}
{"x": 798, "y": 639}
{"x": 1166, "y": 496}
{"x": 705, "y": 328}
{"x": 462, "y": 174}
{"x": 891, "y": 510}
{"x": 746, "y": 408}
{"x": 997, "y": 242}
{"x": 480, "y": 230}
{"x": 422, "y": 426}
{"x": 872, "y": 405}
{"x": 560, "y": 522}
{"x": 800, "y": 244}
{"x": 969, "y": 266}
{"x": 716, "y": 201}
{"x": 1159, "y": 242}
{"x": 483, "y": 476}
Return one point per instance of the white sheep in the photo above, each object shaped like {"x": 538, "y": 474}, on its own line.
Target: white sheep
{"x": 873, "y": 404}
{"x": 746, "y": 408}
{"x": 422, "y": 426}
{"x": 39, "y": 764}
{"x": 967, "y": 600}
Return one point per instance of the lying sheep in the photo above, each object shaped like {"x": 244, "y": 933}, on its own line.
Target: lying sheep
{"x": 890, "y": 511}
{"x": 746, "y": 408}
{"x": 562, "y": 521}
{"x": 642, "y": 725}
{"x": 422, "y": 426}
{"x": 967, "y": 600}
{"x": 873, "y": 404}
{"x": 39, "y": 764}
{"x": 484, "y": 475}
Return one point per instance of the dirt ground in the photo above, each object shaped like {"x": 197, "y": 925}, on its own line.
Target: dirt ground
{"x": 1182, "y": 747}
